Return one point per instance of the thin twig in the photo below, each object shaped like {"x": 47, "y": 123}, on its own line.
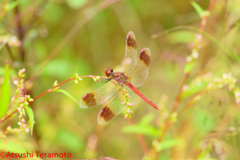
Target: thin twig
{"x": 205, "y": 18}
{"x": 92, "y": 76}
{"x": 8, "y": 116}
{"x": 51, "y": 89}
{"x": 179, "y": 95}
{"x": 48, "y": 91}
{"x": 10, "y": 52}
{"x": 20, "y": 32}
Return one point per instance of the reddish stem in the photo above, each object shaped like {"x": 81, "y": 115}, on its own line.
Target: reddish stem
{"x": 48, "y": 91}
{"x": 8, "y": 116}
{"x": 51, "y": 89}
{"x": 205, "y": 18}
{"x": 179, "y": 95}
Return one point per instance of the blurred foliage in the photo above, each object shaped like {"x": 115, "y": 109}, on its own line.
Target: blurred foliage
{"x": 50, "y": 38}
{"x": 5, "y": 93}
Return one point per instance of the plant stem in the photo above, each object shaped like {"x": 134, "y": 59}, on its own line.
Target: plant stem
{"x": 51, "y": 89}
{"x": 48, "y": 91}
{"x": 20, "y": 31}
{"x": 179, "y": 95}
{"x": 10, "y": 52}
{"x": 8, "y": 116}
{"x": 153, "y": 153}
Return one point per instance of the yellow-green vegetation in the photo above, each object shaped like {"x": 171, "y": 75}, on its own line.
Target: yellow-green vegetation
{"x": 193, "y": 78}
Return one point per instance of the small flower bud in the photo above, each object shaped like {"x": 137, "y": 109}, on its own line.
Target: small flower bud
{"x": 237, "y": 100}
{"x": 237, "y": 94}
{"x": 30, "y": 100}
{"x": 76, "y": 81}
{"x": 9, "y": 128}
{"x": 225, "y": 75}
{"x": 15, "y": 82}
{"x": 130, "y": 104}
{"x": 189, "y": 59}
{"x": 195, "y": 54}
{"x": 55, "y": 83}
{"x": 185, "y": 87}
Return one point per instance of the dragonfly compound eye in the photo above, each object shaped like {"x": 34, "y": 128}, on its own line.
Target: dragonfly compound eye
{"x": 108, "y": 72}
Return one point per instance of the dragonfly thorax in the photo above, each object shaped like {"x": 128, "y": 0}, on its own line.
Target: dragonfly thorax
{"x": 120, "y": 77}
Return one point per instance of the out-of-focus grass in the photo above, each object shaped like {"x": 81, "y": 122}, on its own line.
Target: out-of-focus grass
{"x": 62, "y": 126}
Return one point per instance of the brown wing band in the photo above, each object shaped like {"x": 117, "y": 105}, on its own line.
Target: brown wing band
{"x": 144, "y": 57}
{"x": 131, "y": 42}
{"x": 89, "y": 100}
{"x": 106, "y": 114}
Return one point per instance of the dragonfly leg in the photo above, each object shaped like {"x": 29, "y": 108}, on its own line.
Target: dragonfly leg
{"x": 105, "y": 80}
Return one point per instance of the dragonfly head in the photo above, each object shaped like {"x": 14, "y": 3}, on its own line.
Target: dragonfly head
{"x": 108, "y": 72}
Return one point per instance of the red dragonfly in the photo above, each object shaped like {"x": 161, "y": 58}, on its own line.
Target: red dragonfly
{"x": 134, "y": 73}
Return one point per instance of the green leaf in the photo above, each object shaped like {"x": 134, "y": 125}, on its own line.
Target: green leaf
{"x": 169, "y": 143}
{"x": 75, "y": 4}
{"x": 141, "y": 129}
{"x": 1, "y": 45}
{"x": 203, "y": 120}
{"x": 5, "y": 94}
{"x": 193, "y": 89}
{"x": 31, "y": 117}
{"x": 66, "y": 93}
{"x": 188, "y": 67}
{"x": 8, "y": 146}
{"x": 69, "y": 140}
{"x": 197, "y": 85}
{"x": 58, "y": 68}
{"x": 197, "y": 8}
{"x": 147, "y": 119}
{"x": 10, "y": 71}
{"x": 181, "y": 37}
{"x": 11, "y": 146}
{"x": 12, "y": 5}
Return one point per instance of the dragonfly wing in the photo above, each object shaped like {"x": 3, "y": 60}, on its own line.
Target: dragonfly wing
{"x": 130, "y": 57}
{"x": 113, "y": 107}
{"x": 130, "y": 92}
{"x": 99, "y": 96}
{"x": 140, "y": 72}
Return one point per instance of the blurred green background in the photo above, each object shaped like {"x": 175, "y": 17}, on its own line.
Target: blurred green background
{"x": 98, "y": 43}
